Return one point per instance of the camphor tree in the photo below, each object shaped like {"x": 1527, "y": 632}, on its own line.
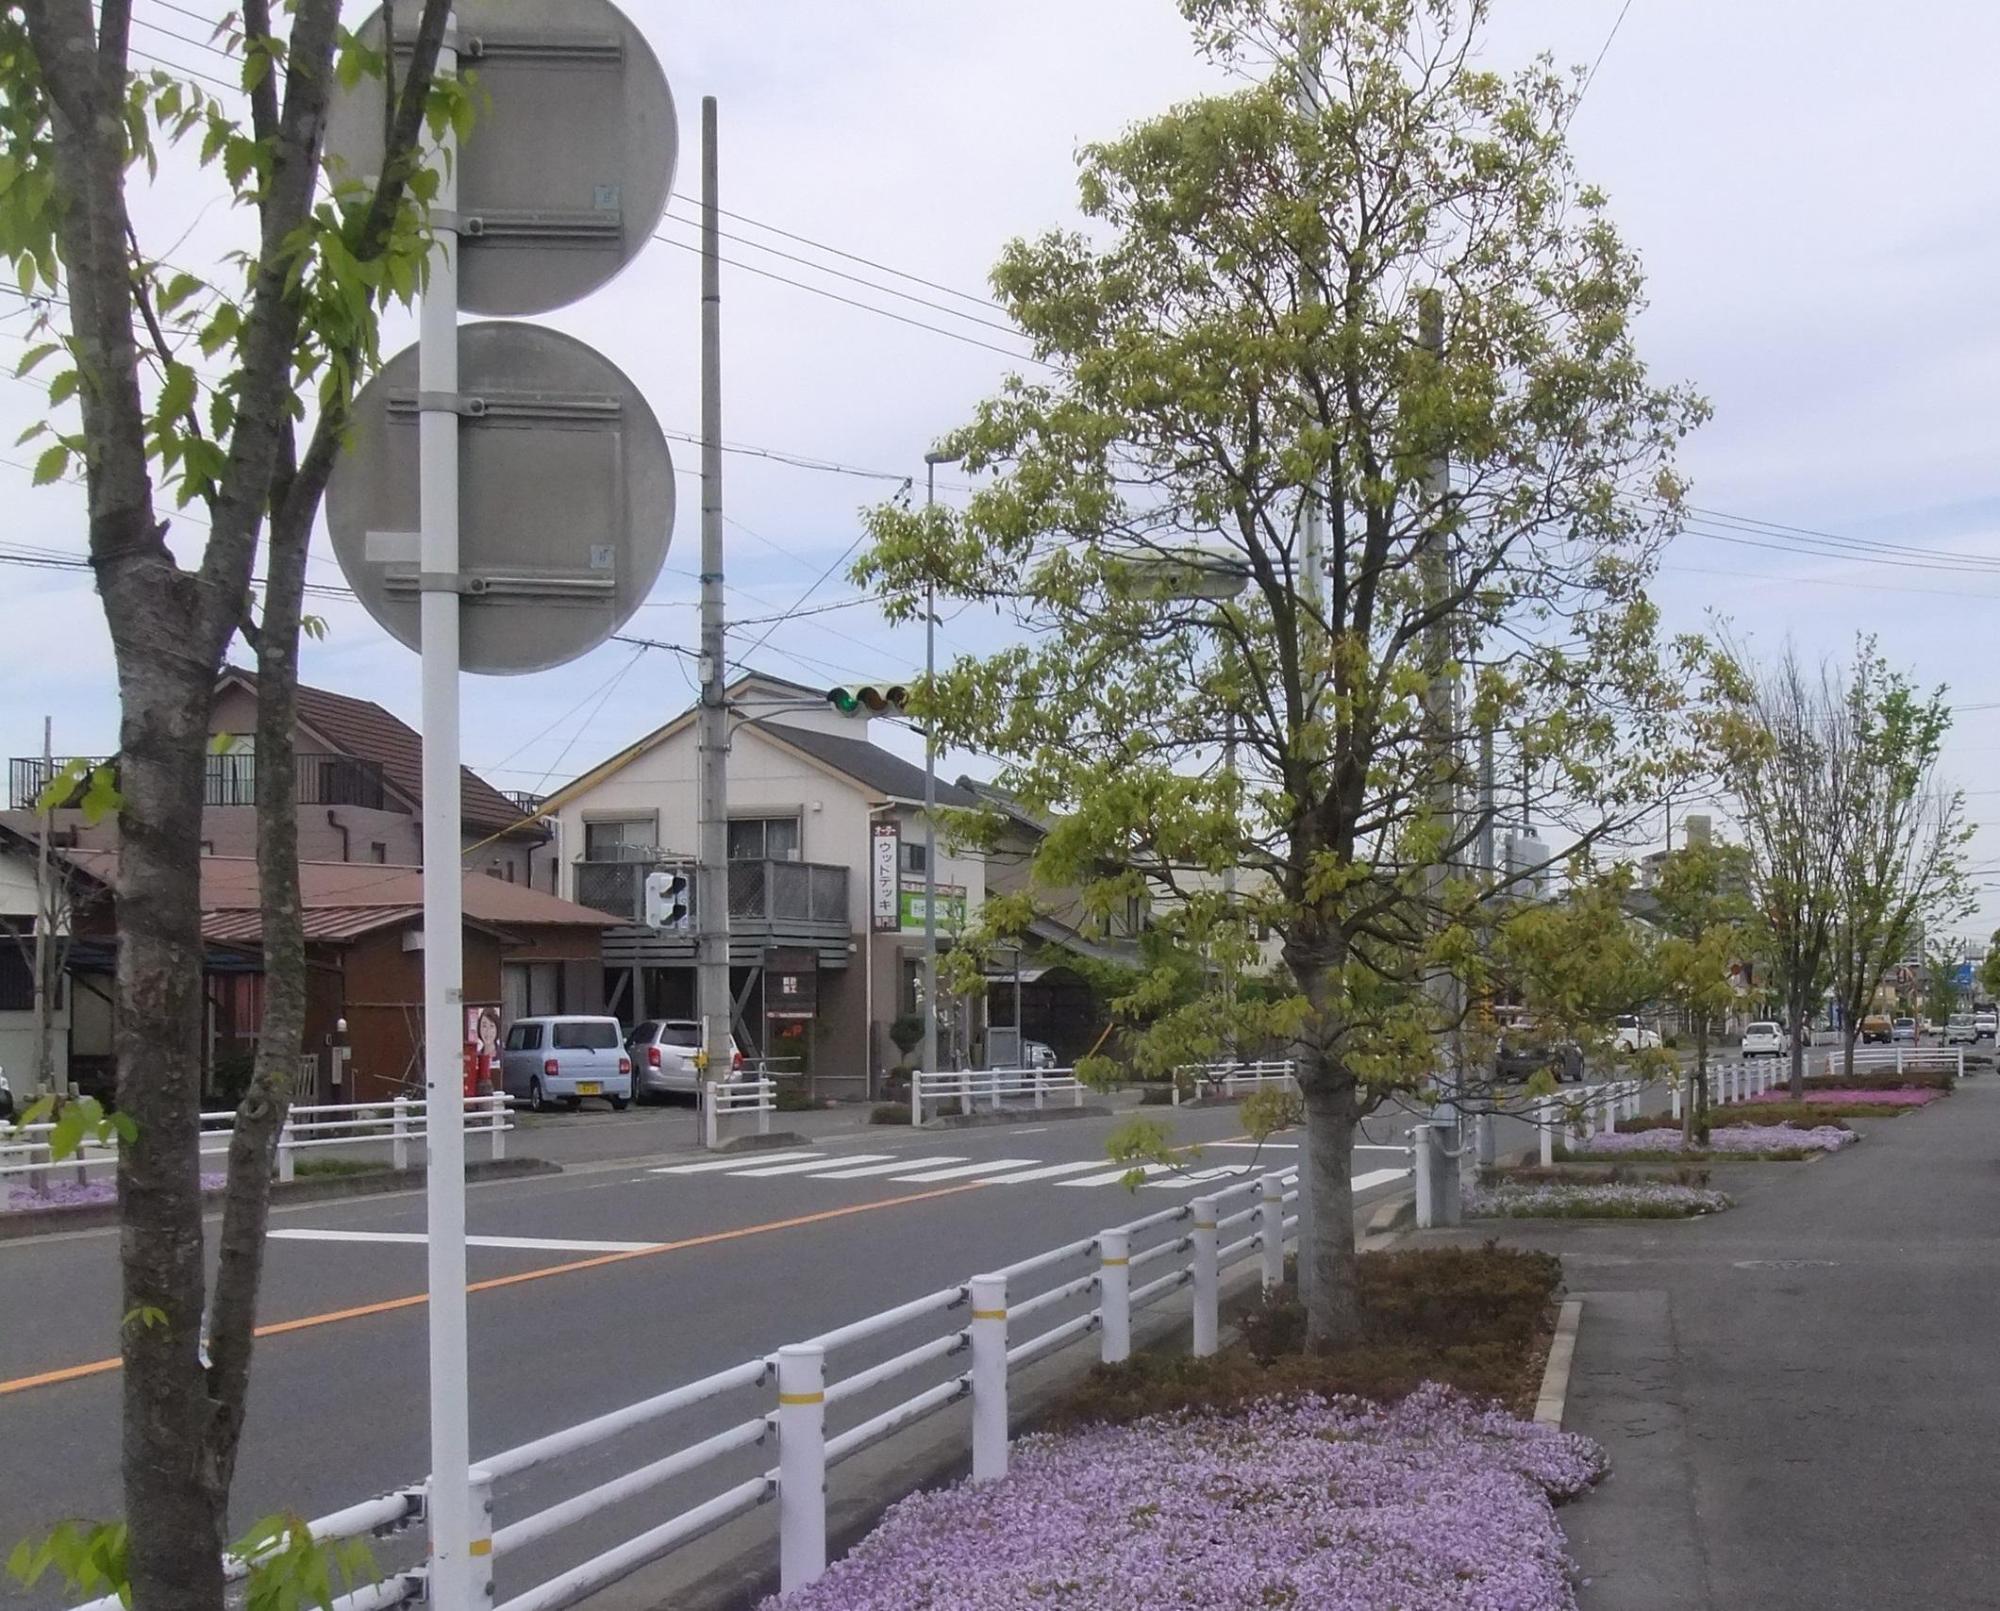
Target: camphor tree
{"x": 1903, "y": 833}
{"x": 1298, "y": 303}
{"x": 289, "y": 329}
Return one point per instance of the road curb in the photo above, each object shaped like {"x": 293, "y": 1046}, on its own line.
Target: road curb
{"x": 26, "y": 1222}
{"x": 1555, "y": 1373}
{"x": 980, "y": 1121}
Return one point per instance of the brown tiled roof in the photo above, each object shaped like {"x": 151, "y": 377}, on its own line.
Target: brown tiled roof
{"x": 344, "y": 899}
{"x": 363, "y": 729}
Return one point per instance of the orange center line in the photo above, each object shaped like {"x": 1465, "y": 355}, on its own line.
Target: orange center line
{"x": 278, "y": 1328}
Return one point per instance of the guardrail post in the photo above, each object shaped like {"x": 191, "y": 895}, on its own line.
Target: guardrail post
{"x": 801, "y": 1465}
{"x": 1961, "y": 1064}
{"x": 399, "y": 1133}
{"x": 989, "y": 1377}
{"x": 1609, "y": 1102}
{"x": 1038, "y": 1088}
{"x": 1422, "y": 1163}
{"x": 1547, "y": 1110}
{"x": 1207, "y": 1278}
{"x": 1114, "y": 1294}
{"x": 496, "y": 1107}
{"x": 916, "y": 1099}
{"x": 481, "y": 1484}
{"x": 1674, "y": 1095}
{"x": 1075, "y": 1090}
{"x": 1271, "y": 1231}
{"x": 964, "y": 1093}
{"x": 286, "y": 1163}
{"x": 767, "y": 1099}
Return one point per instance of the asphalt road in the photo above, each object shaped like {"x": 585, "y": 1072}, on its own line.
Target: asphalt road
{"x": 609, "y": 1282}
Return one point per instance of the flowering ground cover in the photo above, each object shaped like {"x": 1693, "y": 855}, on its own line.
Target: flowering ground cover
{"x": 1332, "y": 1504}
{"x": 1590, "y": 1200}
{"x": 1738, "y": 1140}
{"x": 68, "y": 1194}
{"x": 1858, "y": 1099}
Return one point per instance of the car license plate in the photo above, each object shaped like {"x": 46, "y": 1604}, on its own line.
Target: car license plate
{"x": 589, "y": 1088}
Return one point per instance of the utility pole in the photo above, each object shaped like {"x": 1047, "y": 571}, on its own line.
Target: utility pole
{"x": 45, "y": 916}
{"x": 1440, "y": 694}
{"x": 928, "y": 1053}
{"x": 1487, "y": 864}
{"x": 711, "y": 889}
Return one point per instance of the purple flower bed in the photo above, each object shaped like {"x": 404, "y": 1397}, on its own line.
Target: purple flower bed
{"x": 1336, "y": 1504}
{"x": 1559, "y": 1200}
{"x": 1724, "y": 1138}
{"x": 1873, "y": 1099}
{"x": 68, "y": 1194}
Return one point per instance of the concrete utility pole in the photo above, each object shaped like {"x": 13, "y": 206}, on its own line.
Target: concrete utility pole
{"x": 929, "y": 1050}
{"x": 1440, "y": 695}
{"x": 711, "y": 889}
{"x": 45, "y": 916}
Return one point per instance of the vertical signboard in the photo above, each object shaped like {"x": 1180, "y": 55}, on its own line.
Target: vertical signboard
{"x": 885, "y": 879}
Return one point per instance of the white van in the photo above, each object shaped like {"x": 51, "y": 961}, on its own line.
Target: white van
{"x": 565, "y": 1059}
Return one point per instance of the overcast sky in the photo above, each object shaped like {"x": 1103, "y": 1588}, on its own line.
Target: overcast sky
{"x": 1810, "y": 185}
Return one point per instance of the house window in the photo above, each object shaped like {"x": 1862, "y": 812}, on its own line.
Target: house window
{"x": 17, "y": 979}
{"x": 763, "y": 838}
{"x": 913, "y": 856}
{"x": 380, "y": 851}
{"x": 621, "y": 839}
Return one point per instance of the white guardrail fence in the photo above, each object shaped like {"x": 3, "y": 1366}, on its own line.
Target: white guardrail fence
{"x": 995, "y": 1323}
{"x": 995, "y": 1088}
{"x": 27, "y": 1157}
{"x": 725, "y": 1104}
{"x": 1903, "y": 1059}
{"x": 1195, "y": 1080}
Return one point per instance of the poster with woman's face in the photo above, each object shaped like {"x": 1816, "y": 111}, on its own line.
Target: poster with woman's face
{"x": 482, "y": 1029}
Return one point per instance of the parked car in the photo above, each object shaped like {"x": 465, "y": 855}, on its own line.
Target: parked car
{"x": 1903, "y": 1032}
{"x": 1522, "y": 1053}
{"x": 1629, "y": 1035}
{"x": 663, "y": 1056}
{"x": 565, "y": 1059}
{"x": 1765, "y": 1039}
{"x": 1983, "y": 1025}
{"x": 1038, "y": 1054}
{"x": 1876, "y": 1029}
{"x": 1959, "y": 1030}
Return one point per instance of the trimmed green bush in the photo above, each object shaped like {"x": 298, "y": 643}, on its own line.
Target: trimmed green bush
{"x": 889, "y": 1113}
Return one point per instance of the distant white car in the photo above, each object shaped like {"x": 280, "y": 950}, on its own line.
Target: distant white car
{"x": 1959, "y": 1031}
{"x": 1038, "y": 1054}
{"x": 1903, "y": 1032}
{"x": 1764, "y": 1039}
{"x": 1632, "y": 1036}
{"x": 1983, "y": 1025}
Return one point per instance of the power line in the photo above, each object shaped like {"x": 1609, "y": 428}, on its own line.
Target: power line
{"x": 1774, "y": 528}
{"x": 855, "y": 257}
{"x": 867, "y": 307}
{"x": 198, "y": 44}
{"x": 857, "y": 279}
{"x": 1590, "y": 77}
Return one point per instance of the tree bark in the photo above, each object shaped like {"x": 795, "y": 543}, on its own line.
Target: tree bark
{"x": 1698, "y": 1093}
{"x": 1333, "y": 1308}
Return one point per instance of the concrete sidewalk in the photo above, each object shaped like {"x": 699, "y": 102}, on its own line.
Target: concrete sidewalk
{"x": 1801, "y": 1397}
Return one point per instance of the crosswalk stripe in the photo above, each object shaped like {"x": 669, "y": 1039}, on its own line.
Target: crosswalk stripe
{"x": 1376, "y": 1177}
{"x": 717, "y": 1164}
{"x": 881, "y": 1168}
{"x": 968, "y": 1169}
{"x": 1113, "y": 1176}
{"x": 1046, "y": 1172}
{"x": 806, "y": 1167}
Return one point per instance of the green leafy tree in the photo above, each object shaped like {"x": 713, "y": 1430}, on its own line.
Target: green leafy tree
{"x": 1297, "y": 304}
{"x": 1904, "y": 834}
{"x": 1703, "y": 909}
{"x": 1989, "y": 968}
{"x": 286, "y": 329}
{"x": 1942, "y": 990}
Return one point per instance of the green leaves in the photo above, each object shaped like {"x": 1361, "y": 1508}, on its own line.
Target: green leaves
{"x": 76, "y": 1120}
{"x": 88, "y": 1556}
{"x": 51, "y": 465}
{"x": 290, "y": 1570}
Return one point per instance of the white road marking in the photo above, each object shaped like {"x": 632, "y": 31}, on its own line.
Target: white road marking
{"x": 1046, "y": 1172}
{"x": 882, "y": 1168}
{"x": 1248, "y": 1146}
{"x": 968, "y": 1169}
{"x": 1111, "y": 1177}
{"x": 1377, "y": 1146}
{"x": 531, "y": 1244}
{"x": 809, "y": 1165}
{"x": 1198, "y": 1177}
{"x": 1376, "y": 1177}
{"x": 743, "y": 1162}
{"x": 1032, "y": 1130}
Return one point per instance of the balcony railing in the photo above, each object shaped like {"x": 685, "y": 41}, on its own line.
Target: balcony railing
{"x": 227, "y": 780}
{"x": 776, "y": 894}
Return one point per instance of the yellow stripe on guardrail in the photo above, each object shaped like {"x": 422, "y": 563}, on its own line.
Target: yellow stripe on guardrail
{"x": 1117, "y": 1261}
{"x": 989, "y": 1314}
{"x": 481, "y": 1546}
{"x": 802, "y": 1398}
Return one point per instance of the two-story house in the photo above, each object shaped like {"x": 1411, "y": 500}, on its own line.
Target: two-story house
{"x": 826, "y": 880}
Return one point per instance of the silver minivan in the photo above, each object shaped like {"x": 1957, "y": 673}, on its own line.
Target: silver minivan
{"x": 565, "y": 1058}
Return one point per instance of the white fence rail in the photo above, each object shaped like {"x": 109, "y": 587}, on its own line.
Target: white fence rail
{"x": 995, "y": 1323}
{"x": 1902, "y": 1059}
{"x": 995, "y": 1088}
{"x": 1195, "y": 1080}
{"x": 724, "y": 1103}
{"x": 27, "y": 1153}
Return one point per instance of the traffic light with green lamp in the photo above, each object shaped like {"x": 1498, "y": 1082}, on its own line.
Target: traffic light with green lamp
{"x": 870, "y": 699}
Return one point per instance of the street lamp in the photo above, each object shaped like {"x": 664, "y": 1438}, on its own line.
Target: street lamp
{"x": 929, "y": 1050}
